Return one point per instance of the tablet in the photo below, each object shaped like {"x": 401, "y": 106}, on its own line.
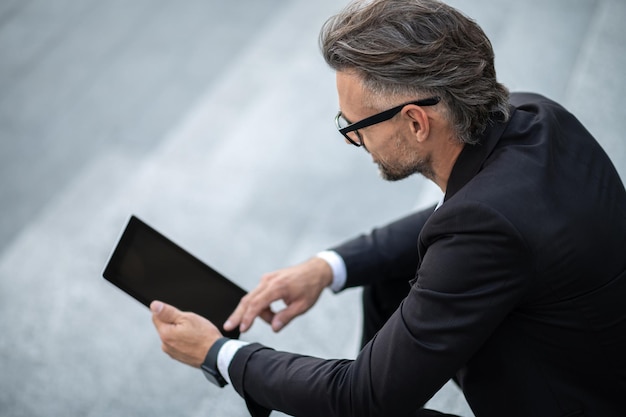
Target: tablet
{"x": 148, "y": 266}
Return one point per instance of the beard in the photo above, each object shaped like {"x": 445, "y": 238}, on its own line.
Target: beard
{"x": 406, "y": 164}
{"x": 396, "y": 172}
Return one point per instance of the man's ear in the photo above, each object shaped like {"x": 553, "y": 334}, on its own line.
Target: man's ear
{"x": 420, "y": 124}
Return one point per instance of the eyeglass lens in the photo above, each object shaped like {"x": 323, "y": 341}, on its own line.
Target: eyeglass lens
{"x": 353, "y": 136}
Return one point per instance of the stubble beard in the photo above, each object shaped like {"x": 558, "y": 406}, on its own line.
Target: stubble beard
{"x": 404, "y": 167}
{"x": 397, "y": 173}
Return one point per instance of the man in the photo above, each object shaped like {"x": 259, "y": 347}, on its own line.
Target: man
{"x": 514, "y": 285}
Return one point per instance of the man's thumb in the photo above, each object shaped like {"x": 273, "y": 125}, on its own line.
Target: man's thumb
{"x": 165, "y": 312}
{"x": 156, "y": 307}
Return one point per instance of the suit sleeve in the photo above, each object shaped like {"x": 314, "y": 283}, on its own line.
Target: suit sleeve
{"x": 475, "y": 269}
{"x": 388, "y": 252}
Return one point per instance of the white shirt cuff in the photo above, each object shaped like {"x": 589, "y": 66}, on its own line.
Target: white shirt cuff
{"x": 226, "y": 355}
{"x": 340, "y": 273}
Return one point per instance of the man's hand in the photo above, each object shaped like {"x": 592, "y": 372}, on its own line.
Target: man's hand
{"x": 186, "y": 337}
{"x": 298, "y": 286}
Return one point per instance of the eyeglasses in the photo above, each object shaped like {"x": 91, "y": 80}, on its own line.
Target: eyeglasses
{"x": 350, "y": 130}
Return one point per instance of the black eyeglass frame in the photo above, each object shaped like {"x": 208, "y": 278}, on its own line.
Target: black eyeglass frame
{"x": 378, "y": 118}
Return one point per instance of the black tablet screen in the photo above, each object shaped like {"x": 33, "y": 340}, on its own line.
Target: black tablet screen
{"x": 148, "y": 266}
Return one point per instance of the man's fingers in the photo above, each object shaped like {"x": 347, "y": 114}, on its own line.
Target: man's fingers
{"x": 284, "y": 316}
{"x": 234, "y": 320}
{"x": 254, "y": 304}
{"x": 283, "y": 285}
{"x": 267, "y": 315}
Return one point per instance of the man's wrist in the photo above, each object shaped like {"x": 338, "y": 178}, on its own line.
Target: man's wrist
{"x": 209, "y": 366}
{"x": 226, "y": 355}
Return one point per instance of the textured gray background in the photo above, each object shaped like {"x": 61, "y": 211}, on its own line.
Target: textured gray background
{"x": 212, "y": 121}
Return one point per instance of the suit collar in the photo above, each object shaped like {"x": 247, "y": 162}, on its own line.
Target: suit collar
{"x": 472, "y": 157}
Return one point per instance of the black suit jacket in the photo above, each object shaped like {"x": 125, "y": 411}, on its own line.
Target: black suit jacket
{"x": 520, "y": 290}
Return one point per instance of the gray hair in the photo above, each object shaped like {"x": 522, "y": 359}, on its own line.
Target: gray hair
{"x": 418, "y": 47}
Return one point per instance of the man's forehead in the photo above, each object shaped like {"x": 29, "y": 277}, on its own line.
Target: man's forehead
{"x": 350, "y": 92}
{"x": 348, "y": 83}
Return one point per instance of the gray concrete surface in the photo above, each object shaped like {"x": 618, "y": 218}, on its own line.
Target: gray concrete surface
{"x": 213, "y": 122}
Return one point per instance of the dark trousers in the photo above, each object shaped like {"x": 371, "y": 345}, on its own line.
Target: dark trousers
{"x": 380, "y": 300}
